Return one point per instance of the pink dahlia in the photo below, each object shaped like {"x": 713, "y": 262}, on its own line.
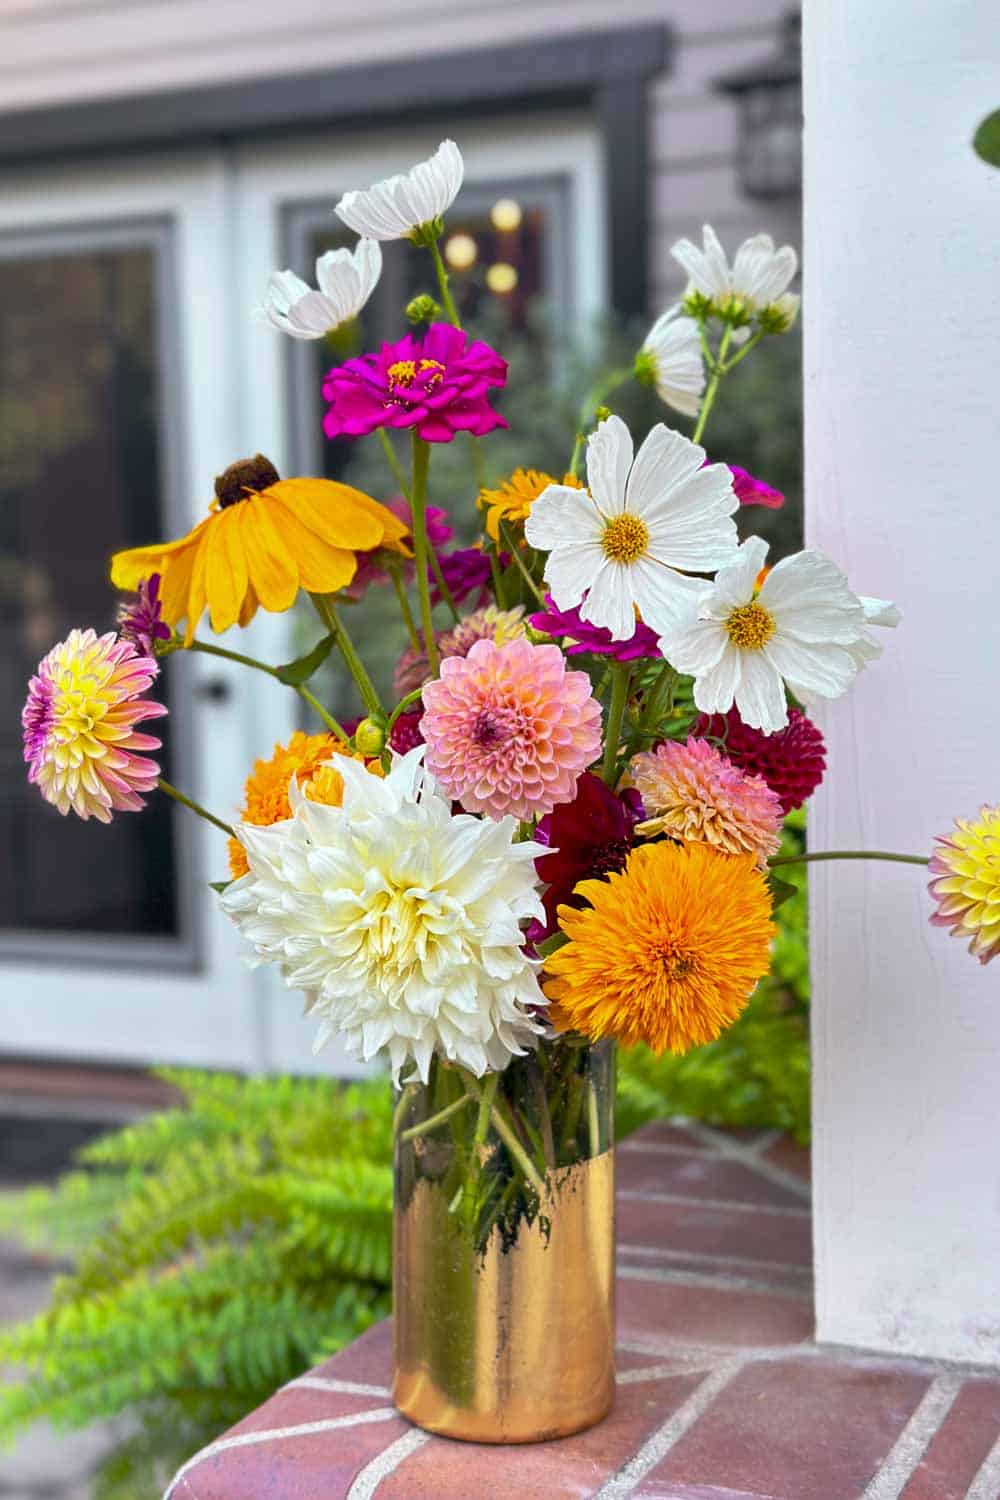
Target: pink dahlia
{"x": 792, "y": 761}
{"x": 489, "y": 624}
{"x": 593, "y": 638}
{"x": 437, "y": 384}
{"x": 80, "y": 736}
{"x": 141, "y": 621}
{"x": 509, "y": 730}
{"x": 695, "y": 794}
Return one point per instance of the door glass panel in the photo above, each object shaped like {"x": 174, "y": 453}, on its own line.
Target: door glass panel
{"x": 80, "y": 475}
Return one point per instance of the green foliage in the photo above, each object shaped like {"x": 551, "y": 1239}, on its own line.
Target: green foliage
{"x": 220, "y": 1249}
{"x": 986, "y": 141}
{"x": 757, "y": 1073}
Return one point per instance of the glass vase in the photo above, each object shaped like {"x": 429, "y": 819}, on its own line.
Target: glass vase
{"x": 503, "y": 1246}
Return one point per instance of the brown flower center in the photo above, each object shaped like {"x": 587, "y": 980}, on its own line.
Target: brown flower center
{"x": 244, "y": 478}
{"x": 750, "y": 626}
{"x": 625, "y": 538}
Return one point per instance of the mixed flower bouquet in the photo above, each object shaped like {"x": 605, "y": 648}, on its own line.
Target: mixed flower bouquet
{"x": 564, "y": 827}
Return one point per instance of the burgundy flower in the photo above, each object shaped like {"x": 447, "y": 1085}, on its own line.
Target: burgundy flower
{"x": 405, "y": 733}
{"x": 587, "y": 637}
{"x": 466, "y": 571}
{"x": 752, "y": 491}
{"x": 140, "y": 621}
{"x": 590, "y": 837}
{"x": 792, "y": 761}
{"x": 437, "y": 384}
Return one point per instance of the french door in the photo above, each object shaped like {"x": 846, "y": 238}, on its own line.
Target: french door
{"x": 131, "y": 372}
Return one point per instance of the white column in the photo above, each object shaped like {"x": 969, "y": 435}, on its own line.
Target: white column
{"x": 902, "y": 322}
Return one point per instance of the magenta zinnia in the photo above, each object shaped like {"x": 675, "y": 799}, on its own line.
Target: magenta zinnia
{"x": 509, "y": 730}
{"x": 141, "y": 620}
{"x": 966, "y": 884}
{"x": 693, "y": 793}
{"x": 437, "y": 385}
{"x": 579, "y": 636}
{"x": 792, "y": 761}
{"x": 80, "y": 735}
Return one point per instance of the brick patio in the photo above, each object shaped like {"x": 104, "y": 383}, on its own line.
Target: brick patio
{"x": 722, "y": 1393}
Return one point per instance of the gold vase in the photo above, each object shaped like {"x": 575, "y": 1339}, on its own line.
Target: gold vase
{"x": 503, "y": 1250}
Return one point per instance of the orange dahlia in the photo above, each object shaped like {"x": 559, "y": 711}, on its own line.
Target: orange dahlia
{"x": 306, "y": 757}
{"x": 264, "y": 539}
{"x": 668, "y": 952}
{"x": 512, "y": 500}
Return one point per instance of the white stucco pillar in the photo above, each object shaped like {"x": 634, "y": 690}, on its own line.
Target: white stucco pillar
{"x": 902, "y": 325}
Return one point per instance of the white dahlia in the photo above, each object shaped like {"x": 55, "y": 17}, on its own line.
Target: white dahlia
{"x": 393, "y": 208}
{"x": 346, "y": 279}
{"x": 401, "y": 922}
{"x": 802, "y": 626}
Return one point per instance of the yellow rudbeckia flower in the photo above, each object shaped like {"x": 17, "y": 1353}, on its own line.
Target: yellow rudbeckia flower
{"x": 264, "y": 539}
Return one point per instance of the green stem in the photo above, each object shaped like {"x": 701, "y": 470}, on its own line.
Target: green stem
{"x": 404, "y": 606}
{"x": 195, "y": 807}
{"x": 506, "y": 1133}
{"x": 402, "y": 1105}
{"x": 660, "y": 695}
{"x": 825, "y": 854}
{"x": 495, "y": 577}
{"x": 262, "y": 666}
{"x": 447, "y": 301}
{"x": 711, "y": 390}
{"x": 393, "y": 461}
{"x": 327, "y": 612}
{"x": 402, "y": 706}
{"x": 418, "y": 505}
{"x": 574, "y": 462}
{"x": 424, "y": 1127}
{"x": 751, "y": 343}
{"x": 593, "y": 1119}
{"x": 620, "y": 678}
{"x": 515, "y": 554}
{"x": 486, "y": 1099}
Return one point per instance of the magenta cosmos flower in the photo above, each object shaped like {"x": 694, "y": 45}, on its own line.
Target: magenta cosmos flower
{"x": 80, "y": 735}
{"x": 589, "y": 837}
{"x": 509, "y": 730}
{"x": 437, "y": 384}
{"x": 593, "y": 638}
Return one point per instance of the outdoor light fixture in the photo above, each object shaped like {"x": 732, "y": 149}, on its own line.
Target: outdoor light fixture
{"x": 460, "y": 251}
{"x": 769, "y": 97}
{"x": 506, "y": 214}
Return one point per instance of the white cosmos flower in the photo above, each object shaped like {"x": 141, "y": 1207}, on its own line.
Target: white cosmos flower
{"x": 802, "y": 627}
{"x": 670, "y": 359}
{"x": 758, "y": 278}
{"x": 346, "y": 279}
{"x": 619, "y": 547}
{"x": 394, "y": 208}
{"x": 876, "y": 612}
{"x": 401, "y": 922}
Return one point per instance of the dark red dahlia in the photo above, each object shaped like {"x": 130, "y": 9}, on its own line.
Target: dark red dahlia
{"x": 792, "y": 762}
{"x": 405, "y": 733}
{"x": 590, "y": 837}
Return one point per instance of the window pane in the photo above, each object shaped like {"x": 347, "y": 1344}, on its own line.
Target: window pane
{"x": 79, "y": 477}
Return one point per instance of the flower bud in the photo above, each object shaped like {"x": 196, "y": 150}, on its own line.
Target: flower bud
{"x": 369, "y": 737}
{"x": 423, "y": 309}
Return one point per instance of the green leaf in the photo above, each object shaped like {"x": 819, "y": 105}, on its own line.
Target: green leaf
{"x": 986, "y": 141}
{"x": 781, "y": 890}
{"x": 294, "y": 673}
{"x": 220, "y": 885}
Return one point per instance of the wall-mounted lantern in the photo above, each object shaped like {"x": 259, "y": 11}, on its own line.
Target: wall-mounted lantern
{"x": 769, "y": 98}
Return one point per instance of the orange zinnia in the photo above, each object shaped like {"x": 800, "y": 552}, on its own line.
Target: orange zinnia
{"x": 264, "y": 539}
{"x": 668, "y": 952}
{"x": 306, "y": 757}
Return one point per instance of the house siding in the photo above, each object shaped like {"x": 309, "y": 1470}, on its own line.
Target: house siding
{"x": 60, "y": 51}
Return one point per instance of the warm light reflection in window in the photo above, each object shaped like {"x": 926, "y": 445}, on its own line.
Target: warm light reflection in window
{"x": 505, "y": 214}
{"x": 501, "y": 278}
{"x": 460, "y": 251}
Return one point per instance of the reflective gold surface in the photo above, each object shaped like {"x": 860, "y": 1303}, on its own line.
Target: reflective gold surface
{"x": 516, "y": 1345}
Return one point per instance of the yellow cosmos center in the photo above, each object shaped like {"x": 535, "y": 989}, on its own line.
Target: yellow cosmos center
{"x": 750, "y": 626}
{"x": 625, "y": 538}
{"x": 404, "y": 372}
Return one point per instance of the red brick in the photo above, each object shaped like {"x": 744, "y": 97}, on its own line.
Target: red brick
{"x": 963, "y": 1440}
{"x": 564, "y": 1470}
{"x": 705, "y": 1176}
{"x": 291, "y": 1407}
{"x": 368, "y": 1361}
{"x": 655, "y": 1314}
{"x": 815, "y": 1429}
{"x": 790, "y": 1155}
{"x": 715, "y": 1231}
{"x": 659, "y": 1132}
{"x": 303, "y": 1467}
